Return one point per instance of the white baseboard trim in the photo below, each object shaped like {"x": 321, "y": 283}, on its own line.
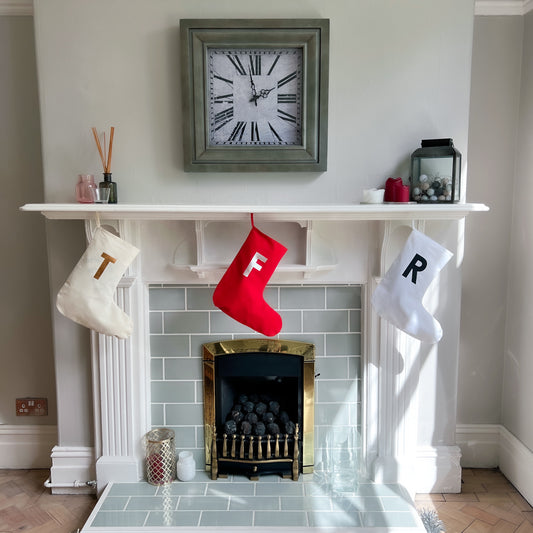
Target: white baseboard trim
{"x": 480, "y": 445}
{"x": 26, "y": 446}
{"x": 438, "y": 469}
{"x": 516, "y": 463}
{"x": 491, "y": 446}
{"x": 72, "y": 465}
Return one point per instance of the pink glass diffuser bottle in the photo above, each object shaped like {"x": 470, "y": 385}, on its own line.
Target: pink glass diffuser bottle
{"x": 85, "y": 189}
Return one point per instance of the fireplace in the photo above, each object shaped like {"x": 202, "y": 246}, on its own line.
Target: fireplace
{"x": 155, "y": 377}
{"x": 259, "y": 407}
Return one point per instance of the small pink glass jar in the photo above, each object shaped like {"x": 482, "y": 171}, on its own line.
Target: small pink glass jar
{"x": 85, "y": 189}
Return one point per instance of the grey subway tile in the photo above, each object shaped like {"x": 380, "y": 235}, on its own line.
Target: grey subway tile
{"x": 158, "y": 414}
{"x": 337, "y": 390}
{"x": 183, "y": 368}
{"x": 156, "y": 368}
{"x": 186, "y": 322}
{"x": 173, "y": 518}
{"x": 343, "y": 297}
{"x": 119, "y": 519}
{"x": 182, "y": 413}
{"x": 325, "y": 321}
{"x": 167, "y": 299}
{"x": 343, "y": 344}
{"x": 227, "y": 518}
{"x": 281, "y": 518}
{"x": 172, "y": 391}
{"x": 156, "y": 322}
{"x": 302, "y": 297}
{"x": 169, "y": 345}
{"x": 200, "y": 298}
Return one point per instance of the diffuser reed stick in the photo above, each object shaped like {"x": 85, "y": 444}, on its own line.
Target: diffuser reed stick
{"x": 105, "y": 155}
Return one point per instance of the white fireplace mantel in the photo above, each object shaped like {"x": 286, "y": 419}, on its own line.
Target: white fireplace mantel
{"x": 396, "y": 211}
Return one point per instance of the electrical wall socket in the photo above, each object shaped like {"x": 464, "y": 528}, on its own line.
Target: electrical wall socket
{"x": 32, "y": 406}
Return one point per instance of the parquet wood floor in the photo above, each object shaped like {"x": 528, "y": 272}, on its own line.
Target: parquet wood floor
{"x": 487, "y": 503}
{"x": 27, "y": 505}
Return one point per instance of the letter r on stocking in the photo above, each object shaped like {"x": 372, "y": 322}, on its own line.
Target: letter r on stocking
{"x": 254, "y": 263}
{"x": 417, "y": 264}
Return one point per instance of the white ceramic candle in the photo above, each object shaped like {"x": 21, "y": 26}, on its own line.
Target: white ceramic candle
{"x": 186, "y": 466}
{"x": 373, "y": 196}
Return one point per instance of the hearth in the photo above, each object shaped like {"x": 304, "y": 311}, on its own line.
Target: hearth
{"x": 259, "y": 407}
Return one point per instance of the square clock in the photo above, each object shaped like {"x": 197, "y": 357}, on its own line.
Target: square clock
{"x": 255, "y": 94}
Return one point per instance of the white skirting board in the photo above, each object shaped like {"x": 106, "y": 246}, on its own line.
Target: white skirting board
{"x": 490, "y": 446}
{"x": 26, "y": 446}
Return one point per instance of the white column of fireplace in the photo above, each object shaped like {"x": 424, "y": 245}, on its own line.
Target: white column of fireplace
{"x": 120, "y": 395}
{"x": 390, "y": 359}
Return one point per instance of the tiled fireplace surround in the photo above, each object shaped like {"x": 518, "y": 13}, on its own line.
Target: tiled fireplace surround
{"x": 368, "y": 370}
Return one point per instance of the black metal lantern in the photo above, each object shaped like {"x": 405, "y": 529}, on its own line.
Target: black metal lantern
{"x": 436, "y": 172}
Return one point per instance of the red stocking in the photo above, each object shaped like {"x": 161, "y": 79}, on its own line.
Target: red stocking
{"x": 240, "y": 291}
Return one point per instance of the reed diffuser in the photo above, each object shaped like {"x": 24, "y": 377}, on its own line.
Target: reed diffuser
{"x": 105, "y": 156}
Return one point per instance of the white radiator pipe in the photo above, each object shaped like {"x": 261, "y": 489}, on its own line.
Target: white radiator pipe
{"x": 75, "y": 484}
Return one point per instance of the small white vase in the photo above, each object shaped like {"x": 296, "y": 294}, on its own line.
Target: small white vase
{"x": 186, "y": 466}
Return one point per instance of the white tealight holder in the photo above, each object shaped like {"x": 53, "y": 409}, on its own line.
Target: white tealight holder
{"x": 373, "y": 196}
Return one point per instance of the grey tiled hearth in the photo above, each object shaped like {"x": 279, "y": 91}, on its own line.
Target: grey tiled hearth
{"x": 238, "y": 504}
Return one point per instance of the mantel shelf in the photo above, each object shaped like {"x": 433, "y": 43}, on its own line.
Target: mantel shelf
{"x": 262, "y": 212}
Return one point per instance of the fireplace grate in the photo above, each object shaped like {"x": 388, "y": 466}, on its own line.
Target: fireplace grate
{"x": 254, "y": 455}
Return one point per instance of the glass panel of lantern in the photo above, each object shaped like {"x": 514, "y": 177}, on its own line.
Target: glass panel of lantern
{"x": 436, "y": 172}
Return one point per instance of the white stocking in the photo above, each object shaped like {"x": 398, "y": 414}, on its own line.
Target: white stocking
{"x": 87, "y": 295}
{"x": 398, "y": 298}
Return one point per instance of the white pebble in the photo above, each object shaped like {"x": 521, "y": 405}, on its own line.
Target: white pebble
{"x": 422, "y": 178}
{"x": 430, "y": 192}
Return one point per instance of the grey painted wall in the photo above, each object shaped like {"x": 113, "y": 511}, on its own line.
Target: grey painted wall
{"x": 494, "y": 111}
{"x": 26, "y": 355}
{"x": 518, "y": 360}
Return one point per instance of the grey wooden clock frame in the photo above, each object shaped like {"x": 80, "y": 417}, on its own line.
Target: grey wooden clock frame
{"x": 197, "y": 36}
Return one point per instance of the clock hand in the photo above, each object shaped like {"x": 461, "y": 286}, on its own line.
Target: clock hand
{"x": 265, "y": 92}
{"x": 254, "y": 93}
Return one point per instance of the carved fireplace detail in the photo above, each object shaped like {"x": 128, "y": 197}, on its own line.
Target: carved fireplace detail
{"x": 259, "y": 407}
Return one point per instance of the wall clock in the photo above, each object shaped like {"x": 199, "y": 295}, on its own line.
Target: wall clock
{"x": 255, "y": 94}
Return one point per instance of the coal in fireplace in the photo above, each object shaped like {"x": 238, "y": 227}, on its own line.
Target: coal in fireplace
{"x": 259, "y": 407}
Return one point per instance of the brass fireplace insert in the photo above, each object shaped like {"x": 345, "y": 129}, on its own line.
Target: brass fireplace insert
{"x": 283, "y": 366}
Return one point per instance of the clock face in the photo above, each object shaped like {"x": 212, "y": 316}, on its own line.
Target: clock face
{"x": 255, "y": 96}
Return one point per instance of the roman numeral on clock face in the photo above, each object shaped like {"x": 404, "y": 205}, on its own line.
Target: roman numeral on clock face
{"x": 255, "y": 65}
{"x": 254, "y": 135}
{"x": 224, "y": 98}
{"x": 286, "y": 98}
{"x": 273, "y": 65}
{"x": 223, "y": 117}
{"x": 274, "y": 132}
{"x": 286, "y": 79}
{"x": 238, "y": 131}
{"x": 237, "y": 64}
{"x": 286, "y": 116}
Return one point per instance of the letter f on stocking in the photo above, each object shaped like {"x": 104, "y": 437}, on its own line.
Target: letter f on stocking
{"x": 398, "y": 298}
{"x": 240, "y": 295}
{"x": 254, "y": 264}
